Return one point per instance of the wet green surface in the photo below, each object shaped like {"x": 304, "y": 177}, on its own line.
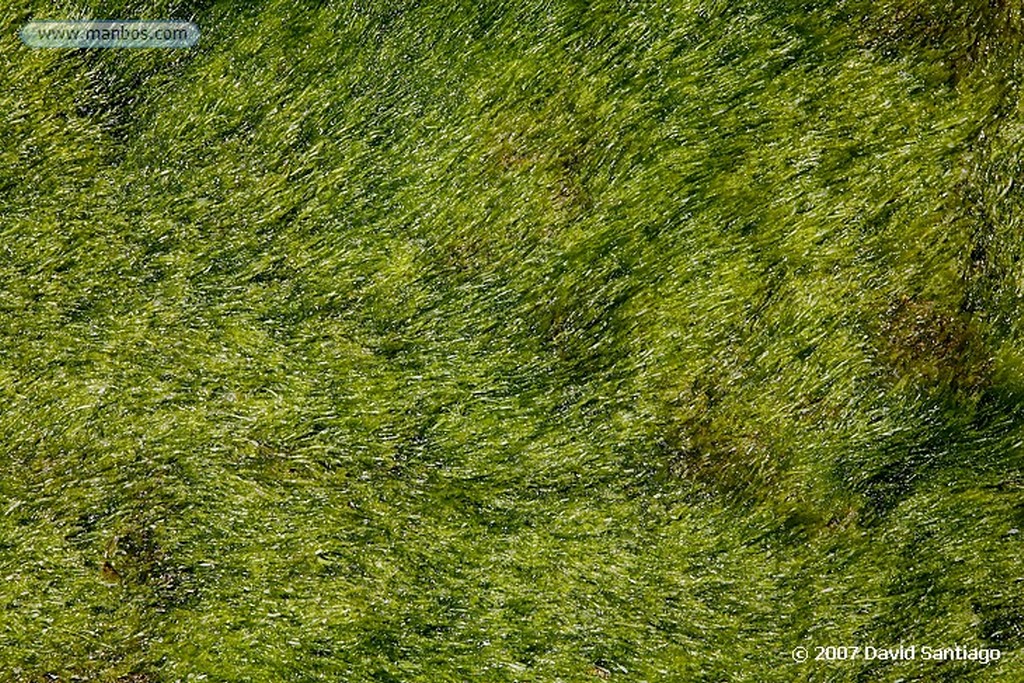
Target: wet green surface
{"x": 513, "y": 342}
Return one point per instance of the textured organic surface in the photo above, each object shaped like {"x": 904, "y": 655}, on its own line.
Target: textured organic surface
{"x": 527, "y": 341}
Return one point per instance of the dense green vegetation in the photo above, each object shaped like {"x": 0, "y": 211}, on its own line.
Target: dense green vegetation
{"x": 530, "y": 341}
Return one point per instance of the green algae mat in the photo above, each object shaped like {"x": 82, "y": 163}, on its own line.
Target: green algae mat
{"x": 525, "y": 341}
